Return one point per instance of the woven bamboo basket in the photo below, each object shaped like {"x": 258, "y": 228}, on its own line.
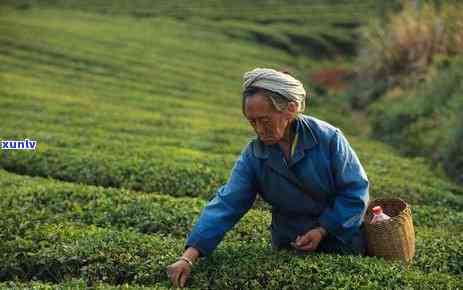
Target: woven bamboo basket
{"x": 393, "y": 239}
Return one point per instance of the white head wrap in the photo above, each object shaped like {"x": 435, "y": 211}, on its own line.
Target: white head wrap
{"x": 279, "y": 82}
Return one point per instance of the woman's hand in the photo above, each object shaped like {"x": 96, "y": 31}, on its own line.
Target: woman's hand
{"x": 178, "y": 273}
{"x": 310, "y": 240}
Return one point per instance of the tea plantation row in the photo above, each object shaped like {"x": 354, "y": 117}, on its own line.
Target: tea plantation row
{"x": 58, "y": 252}
{"x": 53, "y": 231}
{"x": 46, "y": 200}
{"x": 390, "y": 175}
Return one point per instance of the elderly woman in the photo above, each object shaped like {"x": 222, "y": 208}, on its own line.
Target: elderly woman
{"x": 302, "y": 166}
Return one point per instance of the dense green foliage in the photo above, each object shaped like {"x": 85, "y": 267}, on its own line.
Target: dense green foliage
{"x": 114, "y": 236}
{"x": 409, "y": 78}
{"x": 125, "y": 256}
{"x": 120, "y": 96}
{"x": 427, "y": 121}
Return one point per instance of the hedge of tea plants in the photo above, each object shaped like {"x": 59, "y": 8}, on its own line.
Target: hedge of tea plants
{"x": 53, "y": 231}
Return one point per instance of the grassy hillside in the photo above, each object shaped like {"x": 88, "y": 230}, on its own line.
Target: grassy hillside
{"x": 121, "y": 101}
{"x": 136, "y": 110}
{"x": 310, "y": 28}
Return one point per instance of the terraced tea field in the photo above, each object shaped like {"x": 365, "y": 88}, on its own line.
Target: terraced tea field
{"x": 136, "y": 110}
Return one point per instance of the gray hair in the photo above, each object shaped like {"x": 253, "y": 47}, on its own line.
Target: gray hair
{"x": 279, "y": 102}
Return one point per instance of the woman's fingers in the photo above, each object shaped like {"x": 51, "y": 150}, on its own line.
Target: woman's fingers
{"x": 173, "y": 279}
{"x": 308, "y": 247}
{"x": 178, "y": 273}
{"x": 303, "y": 240}
{"x": 174, "y": 276}
{"x": 183, "y": 277}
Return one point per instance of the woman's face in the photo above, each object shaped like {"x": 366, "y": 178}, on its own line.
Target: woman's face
{"x": 268, "y": 123}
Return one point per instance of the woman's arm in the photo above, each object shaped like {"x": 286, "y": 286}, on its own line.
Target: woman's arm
{"x": 352, "y": 187}
{"x": 230, "y": 203}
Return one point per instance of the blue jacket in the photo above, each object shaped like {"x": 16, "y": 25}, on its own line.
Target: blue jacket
{"x": 323, "y": 161}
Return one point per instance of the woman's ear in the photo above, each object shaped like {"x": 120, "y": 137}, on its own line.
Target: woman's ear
{"x": 292, "y": 108}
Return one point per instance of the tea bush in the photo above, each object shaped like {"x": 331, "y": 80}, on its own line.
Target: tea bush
{"x": 47, "y": 201}
{"x": 73, "y": 284}
{"x": 55, "y": 253}
{"x": 117, "y": 236}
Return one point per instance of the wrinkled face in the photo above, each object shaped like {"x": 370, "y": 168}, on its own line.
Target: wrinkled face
{"x": 268, "y": 123}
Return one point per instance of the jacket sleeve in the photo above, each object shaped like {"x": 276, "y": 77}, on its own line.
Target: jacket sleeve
{"x": 352, "y": 186}
{"x": 229, "y": 204}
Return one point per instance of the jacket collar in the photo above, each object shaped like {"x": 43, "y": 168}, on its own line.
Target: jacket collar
{"x": 306, "y": 136}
